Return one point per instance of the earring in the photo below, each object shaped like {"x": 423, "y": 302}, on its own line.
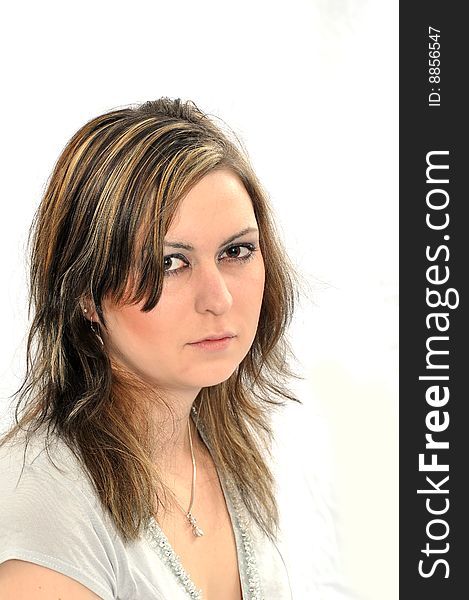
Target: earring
{"x": 95, "y": 332}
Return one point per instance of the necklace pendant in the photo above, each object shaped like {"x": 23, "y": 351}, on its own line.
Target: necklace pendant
{"x": 197, "y": 531}
{"x": 195, "y": 528}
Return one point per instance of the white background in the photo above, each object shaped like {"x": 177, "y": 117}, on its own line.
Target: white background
{"x": 311, "y": 88}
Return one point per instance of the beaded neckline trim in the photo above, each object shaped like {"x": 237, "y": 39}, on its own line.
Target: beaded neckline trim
{"x": 160, "y": 543}
{"x": 246, "y": 556}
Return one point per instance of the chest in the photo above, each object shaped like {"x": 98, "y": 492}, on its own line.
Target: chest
{"x": 210, "y": 560}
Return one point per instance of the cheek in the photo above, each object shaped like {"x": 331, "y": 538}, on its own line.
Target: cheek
{"x": 135, "y": 327}
{"x": 250, "y": 290}
{"x": 257, "y": 280}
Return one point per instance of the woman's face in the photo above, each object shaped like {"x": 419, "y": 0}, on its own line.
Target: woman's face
{"x": 213, "y": 287}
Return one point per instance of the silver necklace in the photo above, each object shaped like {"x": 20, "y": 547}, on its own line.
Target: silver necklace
{"x": 196, "y": 530}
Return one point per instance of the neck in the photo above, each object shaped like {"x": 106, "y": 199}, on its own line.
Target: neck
{"x": 173, "y": 452}
{"x": 168, "y": 426}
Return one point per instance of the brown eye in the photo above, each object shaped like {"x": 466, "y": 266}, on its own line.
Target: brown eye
{"x": 240, "y": 252}
{"x": 234, "y": 251}
{"x": 170, "y": 264}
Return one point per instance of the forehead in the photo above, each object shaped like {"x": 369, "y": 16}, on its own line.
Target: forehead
{"x": 218, "y": 203}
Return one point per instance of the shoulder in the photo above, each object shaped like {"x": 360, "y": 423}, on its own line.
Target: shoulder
{"x": 45, "y": 465}
{"x": 43, "y": 482}
{"x": 26, "y": 581}
{"x": 50, "y": 516}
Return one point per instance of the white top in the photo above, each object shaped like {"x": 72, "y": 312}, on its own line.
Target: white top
{"x": 54, "y": 518}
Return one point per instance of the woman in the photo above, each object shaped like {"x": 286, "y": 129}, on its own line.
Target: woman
{"x": 139, "y": 465}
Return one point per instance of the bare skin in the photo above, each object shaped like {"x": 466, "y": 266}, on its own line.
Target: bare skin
{"x": 210, "y": 560}
{"x": 27, "y": 581}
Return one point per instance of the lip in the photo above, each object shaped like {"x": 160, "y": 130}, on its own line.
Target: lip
{"x": 214, "y": 342}
{"x": 215, "y": 337}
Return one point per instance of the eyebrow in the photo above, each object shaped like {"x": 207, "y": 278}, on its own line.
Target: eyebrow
{"x": 230, "y": 239}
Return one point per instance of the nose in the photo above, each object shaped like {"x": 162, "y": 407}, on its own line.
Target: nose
{"x": 211, "y": 291}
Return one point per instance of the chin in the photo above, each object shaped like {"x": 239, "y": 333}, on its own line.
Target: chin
{"x": 213, "y": 377}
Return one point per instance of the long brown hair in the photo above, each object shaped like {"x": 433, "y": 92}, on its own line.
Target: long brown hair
{"x": 122, "y": 173}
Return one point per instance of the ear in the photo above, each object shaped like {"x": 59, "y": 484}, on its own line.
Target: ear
{"x": 88, "y": 310}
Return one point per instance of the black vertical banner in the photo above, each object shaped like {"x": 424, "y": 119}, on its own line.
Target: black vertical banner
{"x": 434, "y": 257}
